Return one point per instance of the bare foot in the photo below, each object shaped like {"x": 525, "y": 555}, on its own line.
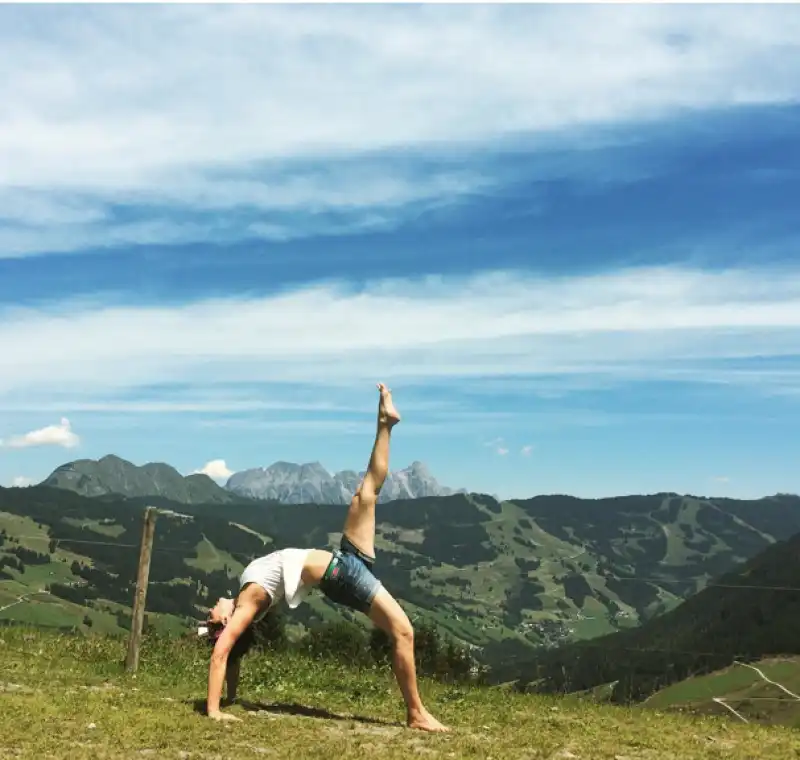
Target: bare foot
{"x": 387, "y": 413}
{"x": 224, "y": 717}
{"x": 424, "y": 721}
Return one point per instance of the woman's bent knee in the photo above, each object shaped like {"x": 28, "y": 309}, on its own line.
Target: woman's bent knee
{"x": 403, "y": 633}
{"x": 388, "y": 615}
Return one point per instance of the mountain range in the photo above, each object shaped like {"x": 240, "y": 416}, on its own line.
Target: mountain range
{"x": 283, "y": 482}
{"x": 311, "y": 483}
{"x": 113, "y": 475}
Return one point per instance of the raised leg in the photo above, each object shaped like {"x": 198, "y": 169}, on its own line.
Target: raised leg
{"x": 359, "y": 526}
{"x": 388, "y": 615}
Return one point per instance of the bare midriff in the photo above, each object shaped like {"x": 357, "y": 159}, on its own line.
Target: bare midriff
{"x": 315, "y": 566}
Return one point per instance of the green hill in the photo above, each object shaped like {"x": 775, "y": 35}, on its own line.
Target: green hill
{"x": 113, "y": 475}
{"x": 742, "y": 689}
{"x": 66, "y": 696}
{"x": 747, "y": 614}
{"x": 502, "y": 576}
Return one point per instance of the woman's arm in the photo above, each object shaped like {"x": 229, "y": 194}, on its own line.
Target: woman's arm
{"x": 243, "y": 616}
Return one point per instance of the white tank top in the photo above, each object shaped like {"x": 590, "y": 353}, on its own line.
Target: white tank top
{"x": 280, "y": 575}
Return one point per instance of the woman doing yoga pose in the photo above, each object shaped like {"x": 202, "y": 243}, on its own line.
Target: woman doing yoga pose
{"x": 345, "y": 576}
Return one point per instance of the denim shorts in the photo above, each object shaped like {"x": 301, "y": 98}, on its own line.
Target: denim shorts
{"x": 348, "y": 579}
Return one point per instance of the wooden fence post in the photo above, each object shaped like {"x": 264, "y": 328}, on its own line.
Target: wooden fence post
{"x": 137, "y": 618}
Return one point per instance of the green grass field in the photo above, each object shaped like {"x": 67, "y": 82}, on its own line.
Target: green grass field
{"x": 96, "y": 526}
{"x": 67, "y": 696}
{"x": 210, "y": 558}
{"x": 742, "y": 689}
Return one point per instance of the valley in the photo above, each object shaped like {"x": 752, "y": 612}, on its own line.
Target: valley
{"x": 507, "y": 578}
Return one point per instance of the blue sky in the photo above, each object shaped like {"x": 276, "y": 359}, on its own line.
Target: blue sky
{"x": 567, "y": 237}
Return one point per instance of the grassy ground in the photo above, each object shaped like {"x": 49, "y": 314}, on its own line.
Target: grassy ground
{"x": 66, "y": 696}
{"x": 742, "y": 689}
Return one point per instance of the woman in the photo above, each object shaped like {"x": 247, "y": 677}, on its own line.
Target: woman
{"x": 345, "y": 576}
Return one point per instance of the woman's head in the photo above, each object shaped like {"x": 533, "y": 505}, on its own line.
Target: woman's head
{"x": 221, "y": 612}
{"x": 218, "y": 617}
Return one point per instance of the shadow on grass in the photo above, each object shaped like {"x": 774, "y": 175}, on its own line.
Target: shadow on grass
{"x": 293, "y": 708}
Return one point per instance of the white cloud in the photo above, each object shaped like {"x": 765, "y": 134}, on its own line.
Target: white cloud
{"x": 207, "y": 405}
{"x": 223, "y": 107}
{"x": 498, "y": 446}
{"x": 664, "y": 323}
{"x": 52, "y": 435}
{"x": 216, "y": 469}
{"x": 21, "y": 482}
{"x": 526, "y": 450}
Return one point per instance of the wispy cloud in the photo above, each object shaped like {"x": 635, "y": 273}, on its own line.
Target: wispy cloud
{"x": 208, "y": 405}
{"x": 498, "y": 446}
{"x": 216, "y": 469}
{"x": 644, "y": 324}
{"x": 526, "y": 450}
{"x": 21, "y": 482}
{"x": 108, "y": 126}
{"x": 311, "y": 427}
{"x": 52, "y": 435}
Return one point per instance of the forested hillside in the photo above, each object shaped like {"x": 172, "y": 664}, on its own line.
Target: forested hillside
{"x": 745, "y": 615}
{"x": 502, "y": 576}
